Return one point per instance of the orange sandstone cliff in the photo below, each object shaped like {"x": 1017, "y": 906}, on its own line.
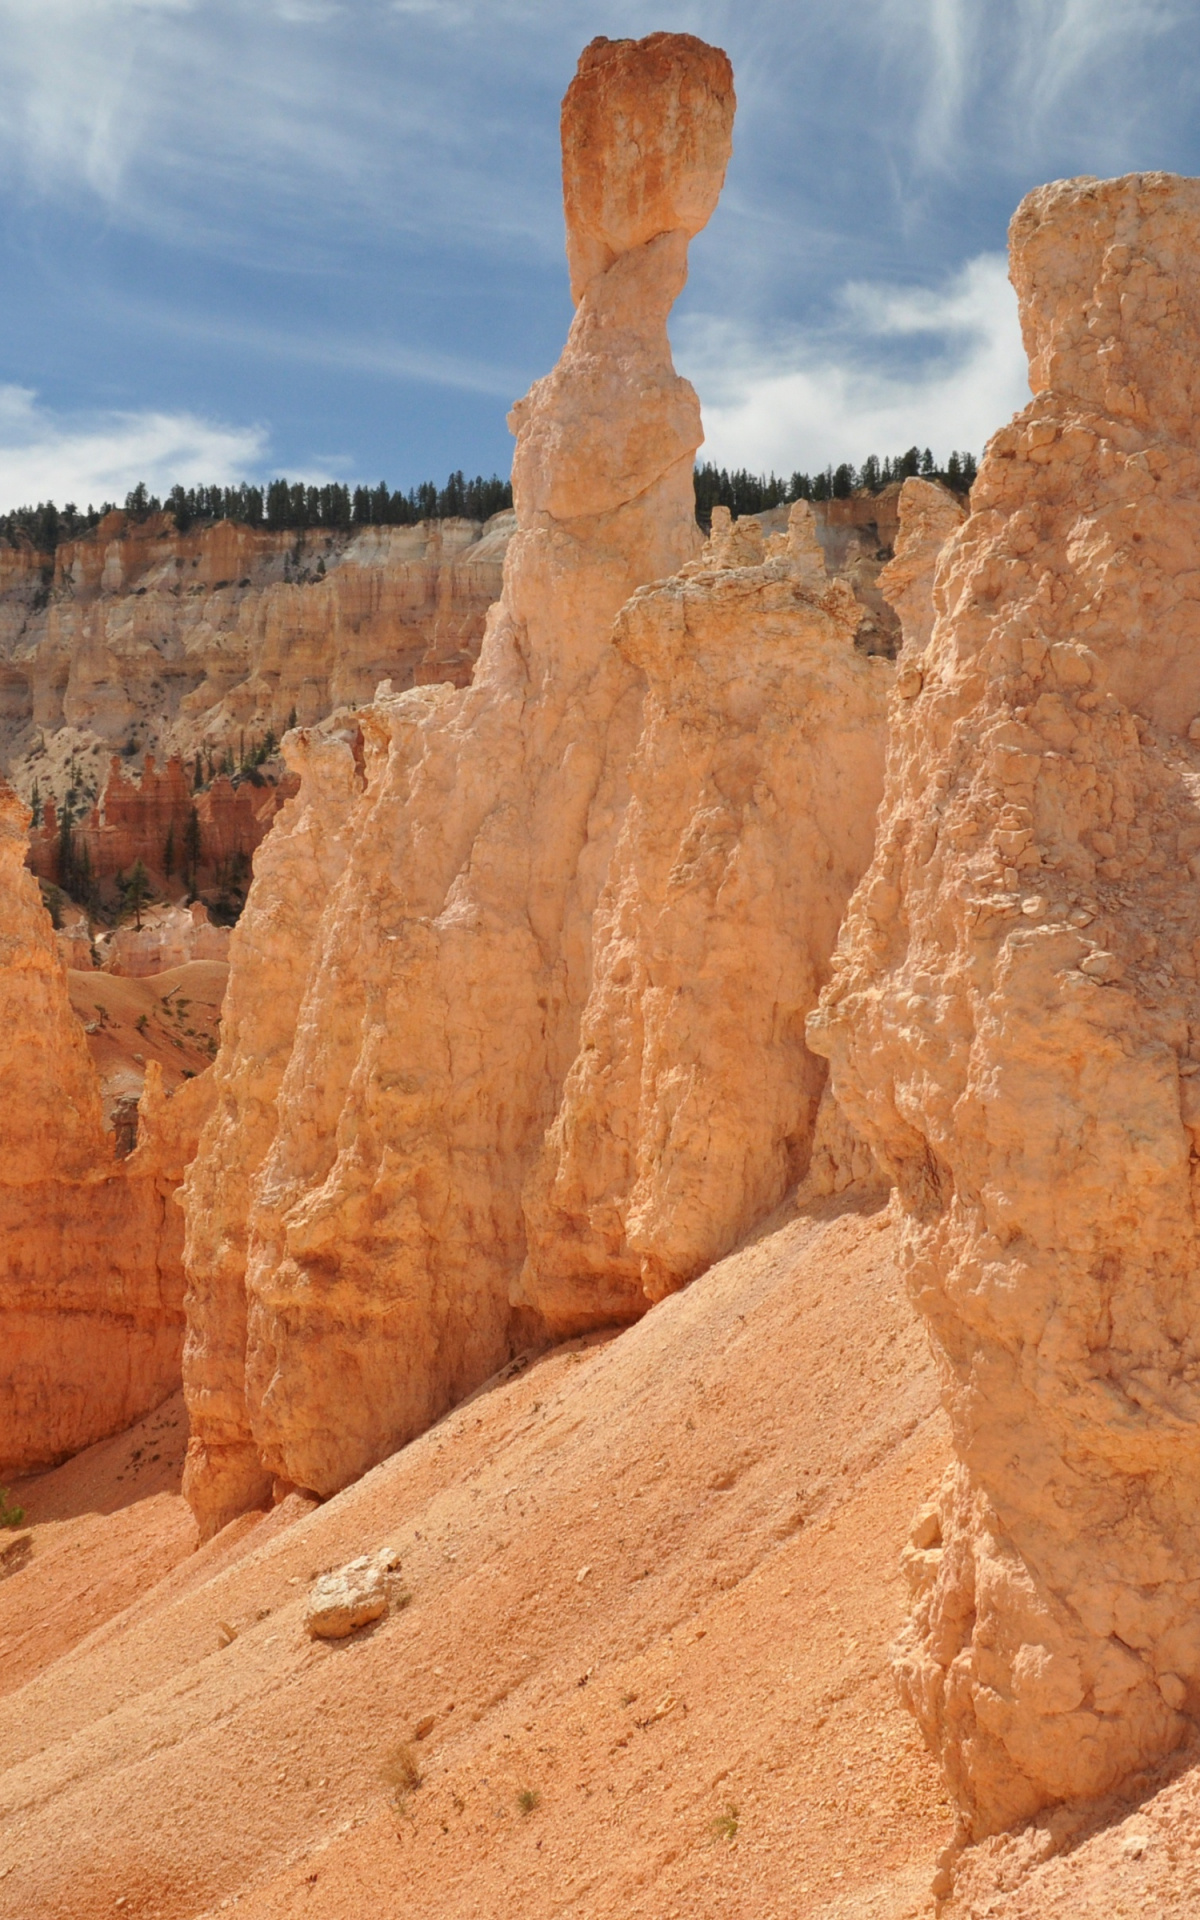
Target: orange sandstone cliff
{"x": 1014, "y": 1023}
{"x": 91, "y": 1280}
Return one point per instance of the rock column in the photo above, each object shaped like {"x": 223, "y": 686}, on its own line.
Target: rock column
{"x": 1014, "y": 1023}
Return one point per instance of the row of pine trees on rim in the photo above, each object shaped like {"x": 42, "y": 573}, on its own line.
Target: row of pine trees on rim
{"x": 293, "y": 505}
{"x": 744, "y": 492}
{"x": 282, "y": 505}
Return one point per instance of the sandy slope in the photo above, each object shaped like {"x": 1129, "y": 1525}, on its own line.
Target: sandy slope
{"x": 171, "y": 1017}
{"x": 99, "y": 1530}
{"x": 653, "y": 1580}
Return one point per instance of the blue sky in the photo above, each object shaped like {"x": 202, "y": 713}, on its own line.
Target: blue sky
{"x": 324, "y": 237}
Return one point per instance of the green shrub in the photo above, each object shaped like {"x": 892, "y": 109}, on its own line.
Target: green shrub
{"x": 9, "y": 1516}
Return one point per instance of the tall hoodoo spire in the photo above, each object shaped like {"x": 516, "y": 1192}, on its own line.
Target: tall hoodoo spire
{"x": 390, "y": 1066}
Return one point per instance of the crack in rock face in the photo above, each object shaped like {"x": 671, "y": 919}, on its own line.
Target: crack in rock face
{"x": 1014, "y": 1025}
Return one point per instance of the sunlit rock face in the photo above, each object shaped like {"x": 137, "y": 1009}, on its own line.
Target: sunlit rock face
{"x": 91, "y": 1279}
{"x": 690, "y": 1108}
{"x": 1014, "y": 1023}
{"x": 354, "y": 1214}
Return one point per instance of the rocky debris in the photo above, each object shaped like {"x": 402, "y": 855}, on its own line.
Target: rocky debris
{"x": 355, "y": 1221}
{"x": 350, "y": 1597}
{"x": 1014, "y": 1024}
{"x": 690, "y": 1108}
{"x": 198, "y": 639}
{"x": 91, "y": 1278}
{"x": 1135, "y": 1856}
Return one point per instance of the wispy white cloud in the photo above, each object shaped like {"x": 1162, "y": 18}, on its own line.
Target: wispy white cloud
{"x": 215, "y": 124}
{"x": 73, "y": 93}
{"x": 951, "y": 44}
{"x": 1035, "y": 73}
{"x": 805, "y": 404}
{"x": 1062, "y": 44}
{"x": 48, "y": 456}
{"x": 368, "y": 189}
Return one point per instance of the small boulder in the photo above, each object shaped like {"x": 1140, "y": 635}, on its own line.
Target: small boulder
{"x": 350, "y": 1597}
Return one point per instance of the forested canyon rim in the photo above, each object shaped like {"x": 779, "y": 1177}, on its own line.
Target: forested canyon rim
{"x": 184, "y": 641}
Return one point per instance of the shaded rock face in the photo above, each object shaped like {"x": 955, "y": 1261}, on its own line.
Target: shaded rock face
{"x": 91, "y": 1279}
{"x": 857, "y": 536}
{"x": 689, "y": 1110}
{"x": 271, "y": 951}
{"x": 419, "y": 1034}
{"x": 184, "y": 640}
{"x": 1014, "y": 1023}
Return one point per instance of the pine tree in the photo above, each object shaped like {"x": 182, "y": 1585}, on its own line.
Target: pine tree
{"x": 137, "y": 892}
{"x": 66, "y": 851}
{"x": 191, "y": 850}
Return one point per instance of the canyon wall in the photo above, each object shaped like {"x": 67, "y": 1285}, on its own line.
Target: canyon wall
{"x": 207, "y": 639}
{"x": 689, "y": 1110}
{"x": 440, "y": 1008}
{"x": 91, "y": 1278}
{"x": 1014, "y": 1023}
